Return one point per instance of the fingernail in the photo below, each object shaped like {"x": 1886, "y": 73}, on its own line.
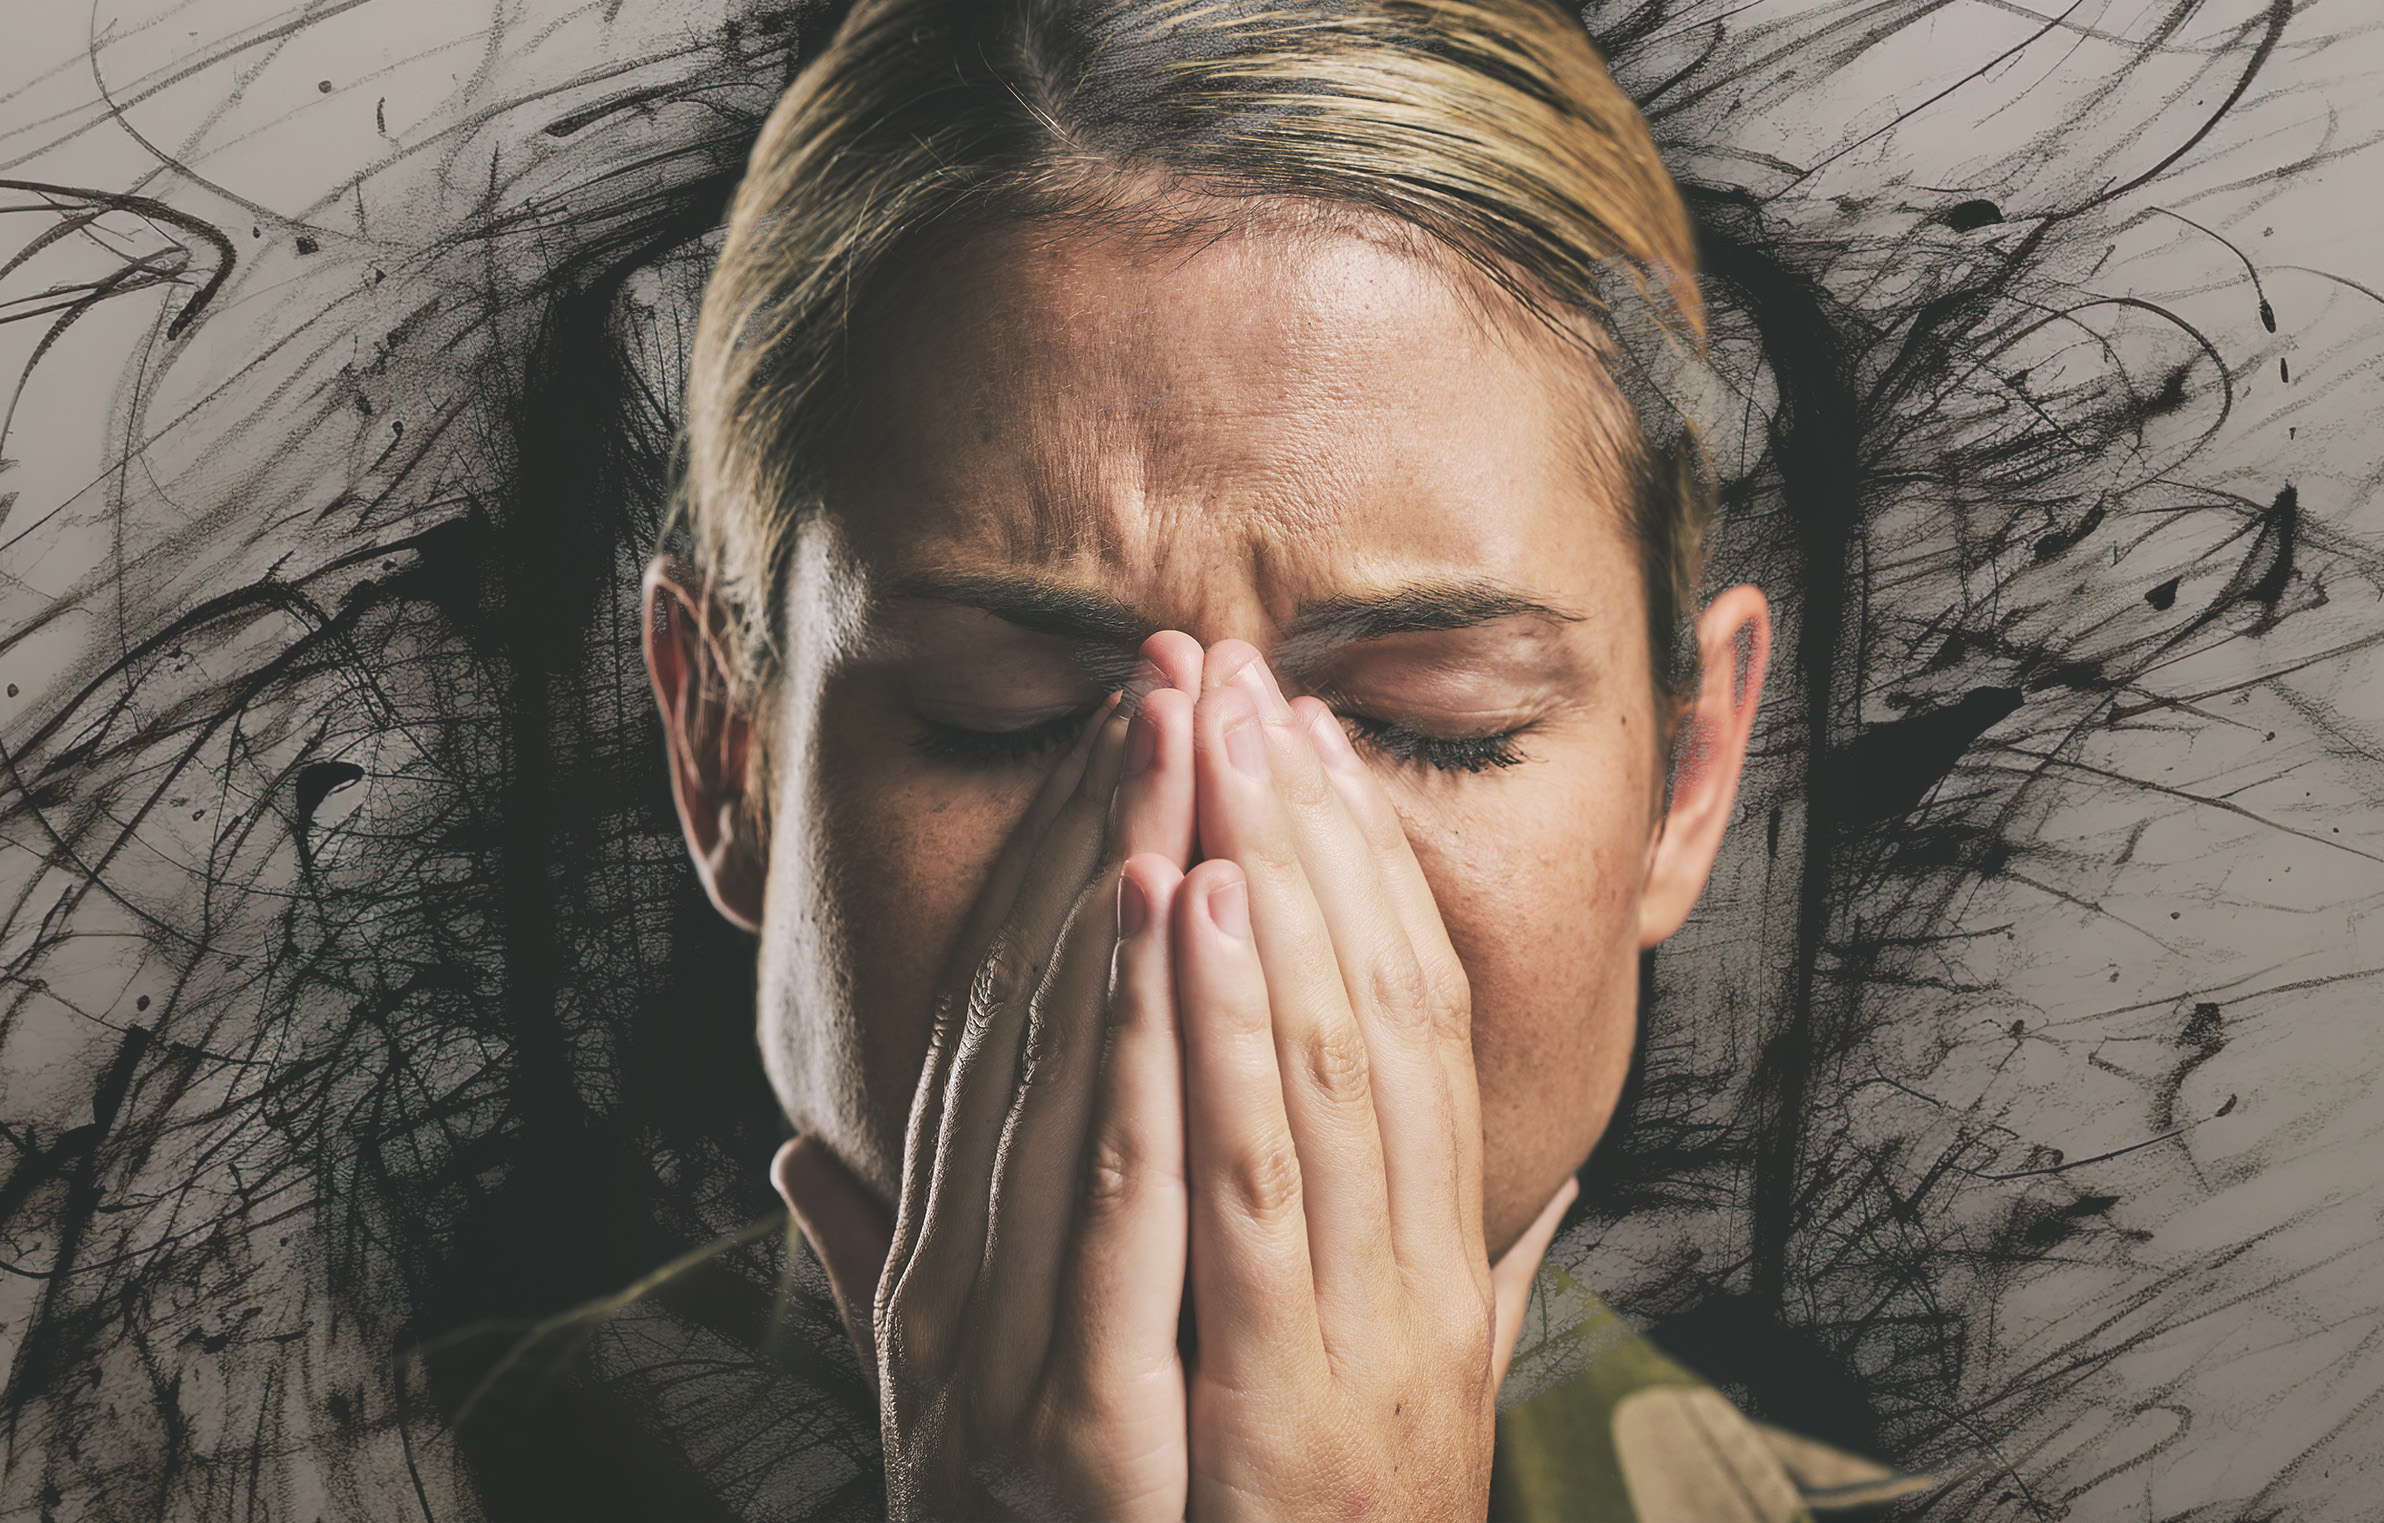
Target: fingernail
{"x": 1252, "y": 679}
{"x": 1229, "y": 909}
{"x": 1245, "y": 743}
{"x": 1133, "y": 908}
{"x": 1142, "y": 743}
{"x": 1332, "y": 742}
{"x": 1147, "y": 679}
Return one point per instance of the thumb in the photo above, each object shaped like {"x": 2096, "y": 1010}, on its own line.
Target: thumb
{"x": 847, "y": 1226}
{"x": 1511, "y": 1276}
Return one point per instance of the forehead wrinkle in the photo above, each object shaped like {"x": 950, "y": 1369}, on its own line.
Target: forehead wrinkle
{"x": 1224, "y": 470}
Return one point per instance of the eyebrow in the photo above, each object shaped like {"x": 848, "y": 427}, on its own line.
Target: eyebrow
{"x": 1419, "y": 608}
{"x": 1077, "y": 613}
{"x": 1047, "y": 608}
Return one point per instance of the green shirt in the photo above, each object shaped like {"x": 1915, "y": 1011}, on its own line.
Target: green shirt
{"x": 722, "y": 1387}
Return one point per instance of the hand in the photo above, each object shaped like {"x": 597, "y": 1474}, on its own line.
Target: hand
{"x": 1026, "y": 1333}
{"x": 1025, "y": 1320}
{"x": 1346, "y": 1360}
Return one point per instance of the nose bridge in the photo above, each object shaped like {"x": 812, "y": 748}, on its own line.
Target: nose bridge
{"x": 1218, "y": 571}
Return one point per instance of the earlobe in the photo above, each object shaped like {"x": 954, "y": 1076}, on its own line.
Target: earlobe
{"x": 707, "y": 735}
{"x": 1710, "y": 748}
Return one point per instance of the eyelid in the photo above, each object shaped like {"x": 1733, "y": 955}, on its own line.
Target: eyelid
{"x": 1408, "y": 745}
{"x": 985, "y": 750}
{"x": 997, "y": 720}
{"x": 1483, "y": 718}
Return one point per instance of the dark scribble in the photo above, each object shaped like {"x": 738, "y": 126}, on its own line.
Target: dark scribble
{"x": 2007, "y": 1110}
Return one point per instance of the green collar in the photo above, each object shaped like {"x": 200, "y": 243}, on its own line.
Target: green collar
{"x": 722, "y": 1387}
{"x": 1596, "y": 1425}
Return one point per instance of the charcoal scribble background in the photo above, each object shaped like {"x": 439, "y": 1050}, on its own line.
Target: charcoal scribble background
{"x": 2010, "y": 1107}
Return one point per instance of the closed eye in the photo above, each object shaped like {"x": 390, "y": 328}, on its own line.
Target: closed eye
{"x": 990, "y": 750}
{"x": 1409, "y": 746}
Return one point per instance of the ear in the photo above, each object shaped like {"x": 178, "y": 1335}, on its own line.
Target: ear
{"x": 710, "y": 738}
{"x": 1708, "y": 749}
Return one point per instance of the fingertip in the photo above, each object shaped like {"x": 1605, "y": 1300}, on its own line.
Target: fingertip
{"x": 1255, "y": 677}
{"x": 1216, "y": 895}
{"x": 1105, "y": 745}
{"x": 1330, "y": 739}
{"x": 1142, "y": 741}
{"x": 1154, "y": 876}
{"x": 1229, "y": 908}
{"x": 1225, "y": 661}
{"x": 1175, "y": 658}
{"x": 1133, "y": 907}
{"x": 1222, "y": 708}
{"x": 1168, "y": 709}
{"x": 1098, "y": 724}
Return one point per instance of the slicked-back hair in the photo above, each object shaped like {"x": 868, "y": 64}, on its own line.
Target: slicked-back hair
{"x": 1488, "y": 127}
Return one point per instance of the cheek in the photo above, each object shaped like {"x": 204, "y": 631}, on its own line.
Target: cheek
{"x": 1538, "y": 877}
{"x": 891, "y": 861}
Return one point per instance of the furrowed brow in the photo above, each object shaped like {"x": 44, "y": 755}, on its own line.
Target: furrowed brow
{"x": 1047, "y": 608}
{"x": 1419, "y": 608}
{"x": 1075, "y": 613}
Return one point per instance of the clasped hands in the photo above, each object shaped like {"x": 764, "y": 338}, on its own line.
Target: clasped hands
{"x": 1190, "y": 1223}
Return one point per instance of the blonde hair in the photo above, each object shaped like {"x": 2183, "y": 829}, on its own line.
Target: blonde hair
{"x": 1489, "y": 126}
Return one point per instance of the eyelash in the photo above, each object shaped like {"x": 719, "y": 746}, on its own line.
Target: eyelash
{"x": 1442, "y": 753}
{"x": 985, "y": 750}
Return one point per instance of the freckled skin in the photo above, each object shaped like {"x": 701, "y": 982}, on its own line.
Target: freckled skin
{"x": 1217, "y": 437}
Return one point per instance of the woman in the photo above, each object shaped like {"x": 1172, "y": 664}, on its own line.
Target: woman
{"x": 1180, "y": 647}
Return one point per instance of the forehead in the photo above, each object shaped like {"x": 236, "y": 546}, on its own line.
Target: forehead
{"x": 1225, "y": 428}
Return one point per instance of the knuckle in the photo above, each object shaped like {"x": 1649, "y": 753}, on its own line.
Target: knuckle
{"x": 1473, "y": 1325}
{"x": 948, "y": 1009}
{"x": 1449, "y": 995}
{"x": 1334, "y": 1061}
{"x": 1244, "y": 1020}
{"x": 1306, "y": 790}
{"x": 1263, "y": 1182}
{"x": 1049, "y": 1043}
{"x": 1006, "y": 978}
{"x": 1115, "y": 1175}
{"x": 1461, "y": 1327}
{"x": 1277, "y": 860}
{"x": 1396, "y": 987}
{"x": 1381, "y": 829}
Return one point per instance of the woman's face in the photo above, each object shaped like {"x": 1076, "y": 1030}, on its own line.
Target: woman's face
{"x": 1346, "y": 455}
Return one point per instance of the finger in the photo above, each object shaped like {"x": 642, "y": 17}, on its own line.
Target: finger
{"x": 1039, "y": 1156}
{"x": 1326, "y": 1075}
{"x": 1174, "y": 659}
{"x": 950, "y": 1014}
{"x": 1154, "y": 800}
{"x": 1042, "y": 1149}
{"x": 1511, "y": 1276}
{"x": 1249, "y": 1260}
{"x": 1009, "y": 871}
{"x": 1446, "y": 993}
{"x": 1421, "y": 1154}
{"x": 1124, "y": 1283}
{"x": 993, "y": 904}
{"x": 956, "y": 1182}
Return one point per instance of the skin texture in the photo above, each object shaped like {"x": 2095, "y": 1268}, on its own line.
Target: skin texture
{"x": 1237, "y": 444}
